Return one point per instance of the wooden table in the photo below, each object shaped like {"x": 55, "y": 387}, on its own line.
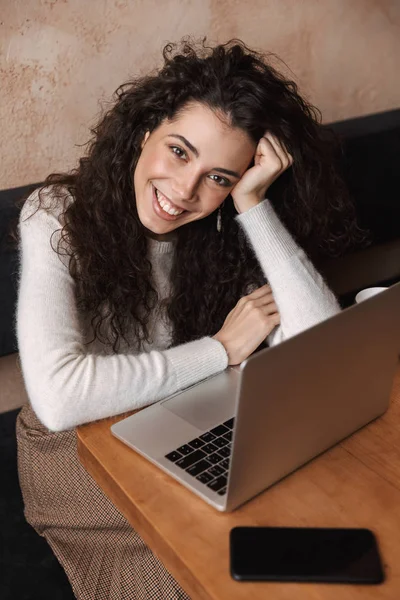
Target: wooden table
{"x": 355, "y": 484}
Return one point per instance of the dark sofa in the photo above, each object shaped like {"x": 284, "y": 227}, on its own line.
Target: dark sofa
{"x": 8, "y": 267}
{"x": 371, "y": 169}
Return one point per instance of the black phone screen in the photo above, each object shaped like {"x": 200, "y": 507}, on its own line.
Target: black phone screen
{"x": 304, "y": 554}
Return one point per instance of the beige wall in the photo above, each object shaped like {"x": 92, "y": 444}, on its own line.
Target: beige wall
{"x": 60, "y": 58}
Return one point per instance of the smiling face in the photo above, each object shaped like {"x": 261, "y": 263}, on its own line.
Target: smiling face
{"x": 187, "y": 168}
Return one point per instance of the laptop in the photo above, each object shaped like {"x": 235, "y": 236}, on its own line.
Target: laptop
{"x": 233, "y": 435}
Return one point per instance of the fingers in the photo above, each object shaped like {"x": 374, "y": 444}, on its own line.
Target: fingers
{"x": 269, "y": 308}
{"x": 284, "y": 156}
{"x": 280, "y": 150}
{"x": 261, "y": 291}
{"x": 261, "y": 298}
{"x": 266, "y": 304}
{"x": 246, "y": 327}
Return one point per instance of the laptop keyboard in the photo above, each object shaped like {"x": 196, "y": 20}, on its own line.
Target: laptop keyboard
{"x": 207, "y": 457}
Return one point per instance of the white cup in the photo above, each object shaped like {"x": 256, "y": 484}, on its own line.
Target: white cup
{"x": 368, "y": 293}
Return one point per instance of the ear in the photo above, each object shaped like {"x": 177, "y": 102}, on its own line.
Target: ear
{"x": 146, "y": 136}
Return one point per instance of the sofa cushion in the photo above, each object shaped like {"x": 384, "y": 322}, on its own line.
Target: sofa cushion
{"x": 9, "y": 267}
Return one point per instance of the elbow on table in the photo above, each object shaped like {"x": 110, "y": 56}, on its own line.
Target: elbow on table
{"x": 53, "y": 411}
{"x": 54, "y": 421}
{"x": 54, "y": 396}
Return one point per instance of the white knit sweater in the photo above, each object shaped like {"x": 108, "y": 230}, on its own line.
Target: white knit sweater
{"x": 69, "y": 383}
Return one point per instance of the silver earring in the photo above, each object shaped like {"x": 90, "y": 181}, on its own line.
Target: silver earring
{"x": 219, "y": 220}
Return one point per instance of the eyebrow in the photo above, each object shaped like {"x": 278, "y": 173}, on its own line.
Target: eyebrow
{"x": 196, "y": 153}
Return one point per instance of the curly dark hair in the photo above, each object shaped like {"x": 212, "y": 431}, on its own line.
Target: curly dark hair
{"x": 211, "y": 270}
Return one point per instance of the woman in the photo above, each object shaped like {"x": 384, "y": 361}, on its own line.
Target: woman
{"x": 163, "y": 258}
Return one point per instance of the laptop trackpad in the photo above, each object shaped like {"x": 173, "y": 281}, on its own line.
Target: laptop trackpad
{"x": 207, "y": 403}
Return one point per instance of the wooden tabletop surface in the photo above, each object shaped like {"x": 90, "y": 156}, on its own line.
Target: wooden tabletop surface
{"x": 355, "y": 484}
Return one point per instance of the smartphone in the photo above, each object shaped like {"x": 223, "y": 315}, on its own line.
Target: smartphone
{"x": 326, "y": 555}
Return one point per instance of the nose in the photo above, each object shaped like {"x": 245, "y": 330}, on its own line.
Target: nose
{"x": 185, "y": 187}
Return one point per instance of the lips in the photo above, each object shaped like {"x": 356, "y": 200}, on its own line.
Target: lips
{"x": 166, "y": 204}
{"x": 161, "y": 212}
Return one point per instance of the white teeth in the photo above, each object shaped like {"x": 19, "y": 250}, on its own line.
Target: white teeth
{"x": 166, "y": 206}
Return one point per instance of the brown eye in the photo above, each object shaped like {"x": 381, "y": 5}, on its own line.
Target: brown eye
{"x": 222, "y": 181}
{"x": 178, "y": 151}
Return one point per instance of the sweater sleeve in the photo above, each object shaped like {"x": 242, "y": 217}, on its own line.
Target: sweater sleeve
{"x": 300, "y": 292}
{"x": 66, "y": 384}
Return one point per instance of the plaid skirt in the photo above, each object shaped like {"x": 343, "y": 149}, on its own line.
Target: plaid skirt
{"x": 103, "y": 557}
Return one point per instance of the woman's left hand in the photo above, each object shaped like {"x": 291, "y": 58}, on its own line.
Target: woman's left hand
{"x": 270, "y": 160}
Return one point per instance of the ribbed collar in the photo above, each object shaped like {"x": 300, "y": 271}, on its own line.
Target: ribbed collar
{"x": 158, "y": 247}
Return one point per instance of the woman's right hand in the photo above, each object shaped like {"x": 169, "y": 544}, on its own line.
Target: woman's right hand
{"x": 248, "y": 324}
